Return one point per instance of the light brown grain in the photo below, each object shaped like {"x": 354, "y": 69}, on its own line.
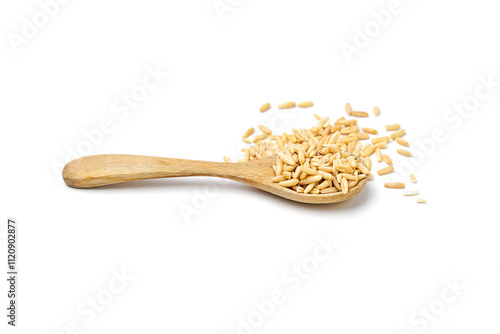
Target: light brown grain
{"x": 286, "y": 159}
{"x": 257, "y": 138}
{"x": 329, "y": 190}
{"x": 392, "y": 127}
{"x": 345, "y": 185}
{"x": 306, "y": 104}
{"x": 348, "y": 109}
{"x": 403, "y": 142}
{"x": 385, "y": 170}
{"x": 248, "y": 133}
{"x": 368, "y": 162}
{"x": 289, "y": 183}
{"x": 349, "y": 130}
{"x": 278, "y": 178}
{"x": 398, "y": 133}
{"x": 359, "y": 113}
{"x": 287, "y": 105}
{"x": 309, "y": 188}
{"x": 311, "y": 179}
{"x": 404, "y": 152}
{"x": 378, "y": 153}
{"x": 265, "y": 130}
{"x": 380, "y": 139}
{"x": 394, "y": 185}
{"x": 362, "y": 168}
{"x": 323, "y": 185}
{"x": 370, "y": 131}
{"x": 265, "y": 107}
{"x": 360, "y": 136}
{"x": 348, "y": 122}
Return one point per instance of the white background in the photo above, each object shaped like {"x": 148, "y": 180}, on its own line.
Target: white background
{"x": 199, "y": 273}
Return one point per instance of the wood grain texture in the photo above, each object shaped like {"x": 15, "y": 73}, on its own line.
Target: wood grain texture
{"x": 102, "y": 170}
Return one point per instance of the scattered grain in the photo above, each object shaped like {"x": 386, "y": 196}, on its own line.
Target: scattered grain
{"x": 305, "y": 104}
{"x": 368, "y": 150}
{"x": 385, "y": 170}
{"x": 248, "y": 133}
{"x": 380, "y": 140}
{"x": 404, "y": 152}
{"x": 359, "y": 113}
{"x": 265, "y": 130}
{"x": 398, "y": 133}
{"x": 378, "y": 153}
{"x": 265, "y": 107}
{"x": 370, "y": 131}
{"x": 287, "y": 105}
{"x": 387, "y": 159}
{"x": 348, "y": 109}
{"x": 411, "y": 193}
{"x": 392, "y": 127}
{"x": 394, "y": 185}
{"x": 260, "y": 137}
{"x": 360, "y": 136}
{"x": 403, "y": 142}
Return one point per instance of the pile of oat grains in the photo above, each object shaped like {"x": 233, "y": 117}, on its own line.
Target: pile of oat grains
{"x": 327, "y": 158}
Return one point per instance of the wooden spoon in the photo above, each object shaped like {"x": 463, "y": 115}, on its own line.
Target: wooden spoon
{"x": 101, "y": 170}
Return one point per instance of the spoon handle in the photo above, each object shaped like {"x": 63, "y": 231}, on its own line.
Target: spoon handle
{"x": 101, "y": 170}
